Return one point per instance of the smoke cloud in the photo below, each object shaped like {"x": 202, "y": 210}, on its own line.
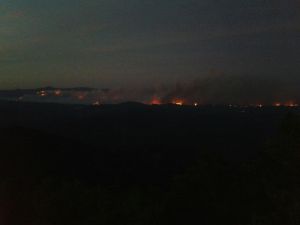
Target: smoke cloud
{"x": 233, "y": 89}
{"x": 215, "y": 88}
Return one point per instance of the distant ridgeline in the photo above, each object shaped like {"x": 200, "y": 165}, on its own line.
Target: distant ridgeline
{"x": 96, "y": 97}
{"x": 83, "y": 95}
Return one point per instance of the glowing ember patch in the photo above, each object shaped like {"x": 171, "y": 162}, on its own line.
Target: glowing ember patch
{"x": 155, "y": 101}
{"x": 195, "y": 104}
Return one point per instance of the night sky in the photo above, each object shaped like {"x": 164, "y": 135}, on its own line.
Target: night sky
{"x": 118, "y": 43}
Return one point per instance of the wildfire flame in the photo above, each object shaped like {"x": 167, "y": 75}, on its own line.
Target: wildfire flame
{"x": 155, "y": 101}
{"x": 178, "y": 102}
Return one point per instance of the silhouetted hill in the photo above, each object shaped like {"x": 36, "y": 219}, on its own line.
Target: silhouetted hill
{"x": 139, "y": 164}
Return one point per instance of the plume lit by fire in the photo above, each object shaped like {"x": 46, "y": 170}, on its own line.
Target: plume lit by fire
{"x": 180, "y": 96}
{"x": 155, "y": 101}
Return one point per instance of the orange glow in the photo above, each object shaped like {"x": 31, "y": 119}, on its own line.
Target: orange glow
{"x": 178, "y": 102}
{"x": 155, "y": 101}
{"x": 195, "y": 104}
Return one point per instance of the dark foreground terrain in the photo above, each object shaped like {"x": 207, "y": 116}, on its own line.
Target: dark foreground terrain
{"x": 136, "y": 164}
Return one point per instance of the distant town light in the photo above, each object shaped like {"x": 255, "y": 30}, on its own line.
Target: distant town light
{"x": 42, "y": 93}
{"x": 57, "y": 92}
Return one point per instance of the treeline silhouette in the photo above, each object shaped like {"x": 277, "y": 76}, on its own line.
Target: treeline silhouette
{"x": 157, "y": 168}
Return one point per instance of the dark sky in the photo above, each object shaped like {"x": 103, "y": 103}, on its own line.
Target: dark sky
{"x": 113, "y": 43}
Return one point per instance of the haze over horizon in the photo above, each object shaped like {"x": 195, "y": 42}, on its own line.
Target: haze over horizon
{"x": 149, "y": 44}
